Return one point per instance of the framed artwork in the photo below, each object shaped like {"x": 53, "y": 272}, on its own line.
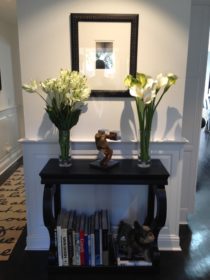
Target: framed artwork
{"x": 104, "y": 48}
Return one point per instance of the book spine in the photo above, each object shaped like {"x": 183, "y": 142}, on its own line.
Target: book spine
{"x": 100, "y": 247}
{"x": 105, "y": 238}
{"x": 97, "y": 248}
{"x": 77, "y": 248}
{"x": 92, "y": 245}
{"x": 64, "y": 243}
{"x": 60, "y": 260}
{"x": 56, "y": 242}
{"x": 82, "y": 247}
{"x": 86, "y": 246}
{"x": 92, "y": 241}
{"x": 97, "y": 240}
{"x": 74, "y": 246}
{"x": 70, "y": 246}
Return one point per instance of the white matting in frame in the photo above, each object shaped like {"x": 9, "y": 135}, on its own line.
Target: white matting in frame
{"x": 109, "y": 42}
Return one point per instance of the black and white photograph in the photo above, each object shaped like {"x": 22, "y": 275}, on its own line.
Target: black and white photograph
{"x": 104, "y": 55}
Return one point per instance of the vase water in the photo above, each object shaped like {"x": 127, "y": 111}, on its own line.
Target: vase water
{"x": 144, "y": 159}
{"x": 65, "y": 151}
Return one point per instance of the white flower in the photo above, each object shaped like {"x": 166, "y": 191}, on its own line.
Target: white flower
{"x": 161, "y": 81}
{"x": 32, "y": 87}
{"x": 65, "y": 96}
{"x": 150, "y": 83}
{"x": 149, "y": 95}
{"x": 136, "y": 91}
{"x": 171, "y": 79}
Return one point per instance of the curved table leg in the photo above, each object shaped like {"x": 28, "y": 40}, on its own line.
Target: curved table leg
{"x": 49, "y": 221}
{"x": 159, "y": 220}
{"x": 150, "y": 207}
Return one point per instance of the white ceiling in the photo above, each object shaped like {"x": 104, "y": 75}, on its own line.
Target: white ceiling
{"x": 8, "y": 10}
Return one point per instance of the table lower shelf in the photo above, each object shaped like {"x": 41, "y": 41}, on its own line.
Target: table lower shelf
{"x": 100, "y": 269}
{"x": 131, "y": 265}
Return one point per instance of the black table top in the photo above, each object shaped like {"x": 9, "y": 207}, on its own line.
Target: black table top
{"x": 125, "y": 172}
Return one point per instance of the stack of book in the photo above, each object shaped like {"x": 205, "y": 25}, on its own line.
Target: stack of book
{"x": 83, "y": 240}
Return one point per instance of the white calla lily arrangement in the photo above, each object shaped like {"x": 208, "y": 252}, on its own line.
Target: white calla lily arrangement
{"x": 148, "y": 93}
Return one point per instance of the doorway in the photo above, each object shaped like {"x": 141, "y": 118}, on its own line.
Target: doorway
{"x": 206, "y": 95}
{"x": 204, "y": 145}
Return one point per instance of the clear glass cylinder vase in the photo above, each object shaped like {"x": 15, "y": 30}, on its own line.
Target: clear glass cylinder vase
{"x": 144, "y": 159}
{"x": 65, "y": 149}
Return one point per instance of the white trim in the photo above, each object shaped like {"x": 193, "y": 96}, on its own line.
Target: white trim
{"x": 10, "y": 108}
{"x": 37, "y": 242}
{"x": 194, "y": 91}
{"x": 9, "y": 159}
{"x": 51, "y": 141}
{"x": 169, "y": 243}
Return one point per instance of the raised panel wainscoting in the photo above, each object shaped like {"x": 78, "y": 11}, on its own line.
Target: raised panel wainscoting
{"x": 10, "y": 149}
{"x": 124, "y": 202}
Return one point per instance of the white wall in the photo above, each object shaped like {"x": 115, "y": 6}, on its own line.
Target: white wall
{"x": 44, "y": 38}
{"x": 10, "y": 96}
{"x": 194, "y": 92}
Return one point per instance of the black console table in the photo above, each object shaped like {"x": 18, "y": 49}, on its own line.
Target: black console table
{"x": 125, "y": 173}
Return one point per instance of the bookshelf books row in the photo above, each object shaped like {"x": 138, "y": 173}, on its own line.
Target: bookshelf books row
{"x": 82, "y": 239}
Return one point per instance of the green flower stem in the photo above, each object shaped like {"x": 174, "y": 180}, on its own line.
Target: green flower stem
{"x": 64, "y": 143}
{"x": 41, "y": 96}
{"x": 144, "y": 145}
{"x": 165, "y": 90}
{"x": 145, "y": 116}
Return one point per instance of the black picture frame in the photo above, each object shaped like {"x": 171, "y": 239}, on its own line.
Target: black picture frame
{"x": 132, "y": 19}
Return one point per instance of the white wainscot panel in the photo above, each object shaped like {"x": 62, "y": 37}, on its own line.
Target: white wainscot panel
{"x": 188, "y": 183}
{"x": 123, "y": 202}
{"x": 10, "y": 149}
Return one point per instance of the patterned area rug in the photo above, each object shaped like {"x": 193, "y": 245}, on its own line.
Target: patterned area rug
{"x": 12, "y": 212}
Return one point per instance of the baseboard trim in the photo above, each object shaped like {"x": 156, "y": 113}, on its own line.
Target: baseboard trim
{"x": 8, "y": 172}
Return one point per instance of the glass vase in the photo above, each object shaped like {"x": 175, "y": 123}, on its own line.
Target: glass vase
{"x": 65, "y": 151}
{"x": 144, "y": 159}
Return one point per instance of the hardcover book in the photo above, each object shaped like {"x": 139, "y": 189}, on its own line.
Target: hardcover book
{"x": 64, "y": 238}
{"x": 70, "y": 235}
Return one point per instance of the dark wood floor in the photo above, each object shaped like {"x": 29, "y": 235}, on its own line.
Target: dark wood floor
{"x": 26, "y": 265}
{"x": 184, "y": 265}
